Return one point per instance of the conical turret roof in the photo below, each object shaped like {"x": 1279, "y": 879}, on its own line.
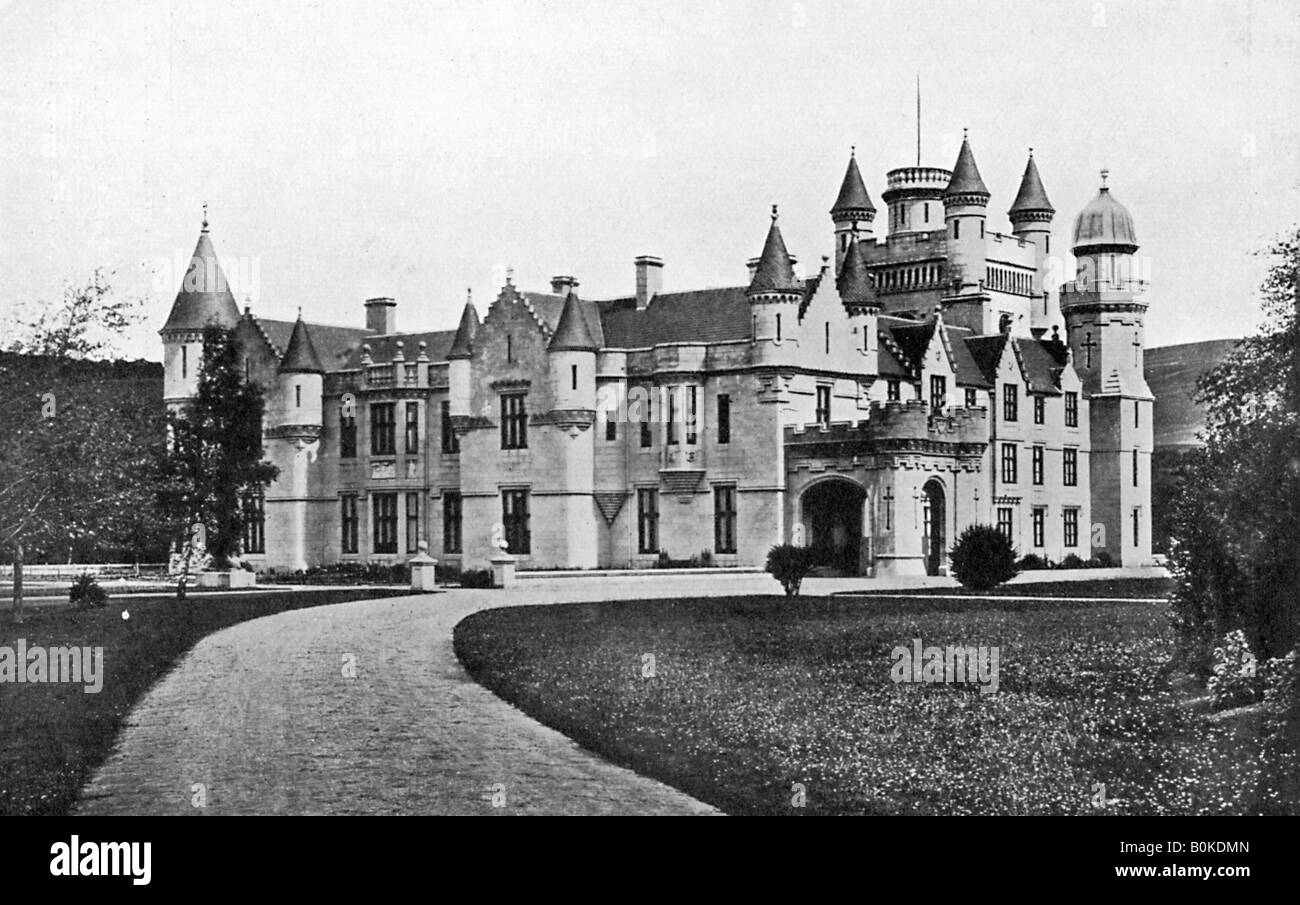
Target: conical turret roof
{"x": 853, "y": 191}
{"x": 301, "y": 357}
{"x": 463, "y": 345}
{"x": 966, "y": 179}
{"x": 1032, "y": 197}
{"x": 571, "y": 333}
{"x": 205, "y": 295}
{"x": 774, "y": 272}
{"x": 854, "y": 283}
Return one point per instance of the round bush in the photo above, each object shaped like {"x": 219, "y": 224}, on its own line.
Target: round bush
{"x": 982, "y": 558}
{"x": 86, "y": 592}
{"x": 789, "y": 564}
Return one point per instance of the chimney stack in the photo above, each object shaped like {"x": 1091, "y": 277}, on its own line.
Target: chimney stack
{"x": 649, "y": 279}
{"x": 563, "y": 285}
{"x": 381, "y": 315}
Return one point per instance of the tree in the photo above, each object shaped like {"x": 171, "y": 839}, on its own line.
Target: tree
{"x": 1236, "y": 524}
{"x": 214, "y": 455}
{"x": 70, "y": 454}
{"x": 983, "y": 558}
{"x": 790, "y": 565}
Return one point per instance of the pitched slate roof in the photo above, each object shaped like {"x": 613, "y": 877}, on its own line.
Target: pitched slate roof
{"x": 571, "y": 334}
{"x": 968, "y": 371}
{"x": 854, "y": 285}
{"x": 549, "y": 307}
{"x": 774, "y": 271}
{"x": 205, "y": 295}
{"x": 987, "y": 352}
{"x": 1032, "y": 196}
{"x": 333, "y": 344}
{"x": 699, "y": 316}
{"x": 853, "y": 191}
{"x": 300, "y": 357}
{"x": 383, "y": 349}
{"x": 966, "y": 179}
{"x": 463, "y": 344}
{"x": 1042, "y": 369}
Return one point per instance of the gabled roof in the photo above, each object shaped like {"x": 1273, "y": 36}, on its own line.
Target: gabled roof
{"x": 571, "y": 334}
{"x": 966, "y": 179}
{"x": 853, "y": 191}
{"x": 205, "y": 295}
{"x": 1041, "y": 367}
{"x": 463, "y": 345}
{"x": 968, "y": 371}
{"x": 1032, "y": 196}
{"x": 301, "y": 357}
{"x": 914, "y": 340}
{"x": 334, "y": 345}
{"x": 987, "y": 352}
{"x": 700, "y": 316}
{"x": 774, "y": 272}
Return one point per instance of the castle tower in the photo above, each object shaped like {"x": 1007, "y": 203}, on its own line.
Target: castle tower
{"x": 1105, "y": 311}
{"x": 571, "y": 360}
{"x": 774, "y": 296}
{"x": 1031, "y": 219}
{"x": 853, "y": 211}
{"x": 204, "y": 298}
{"x": 965, "y": 204}
{"x": 292, "y": 444}
{"x": 459, "y": 386}
{"x": 859, "y": 298}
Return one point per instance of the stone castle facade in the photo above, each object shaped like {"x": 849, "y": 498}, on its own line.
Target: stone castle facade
{"x": 914, "y": 385}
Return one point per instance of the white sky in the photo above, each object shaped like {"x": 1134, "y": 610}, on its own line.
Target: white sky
{"x": 417, "y": 149}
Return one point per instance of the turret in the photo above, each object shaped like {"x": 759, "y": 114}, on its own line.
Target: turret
{"x": 965, "y": 204}
{"x": 774, "y": 295}
{"x": 1031, "y": 220}
{"x": 571, "y": 356}
{"x": 853, "y": 211}
{"x": 204, "y": 298}
{"x": 301, "y": 376}
{"x": 859, "y": 297}
{"x": 459, "y": 388}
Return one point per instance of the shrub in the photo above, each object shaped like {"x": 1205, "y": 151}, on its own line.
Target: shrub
{"x": 1031, "y": 562}
{"x": 1072, "y": 561}
{"x": 476, "y": 578}
{"x": 789, "y": 564}
{"x": 1236, "y": 680}
{"x": 1104, "y": 560}
{"x": 983, "y": 558}
{"x": 86, "y": 592}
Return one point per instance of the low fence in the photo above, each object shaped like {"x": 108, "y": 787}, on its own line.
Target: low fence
{"x": 70, "y": 571}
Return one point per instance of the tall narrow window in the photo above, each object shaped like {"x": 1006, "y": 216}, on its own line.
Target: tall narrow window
{"x": 724, "y": 519}
{"x": 972, "y": 398}
{"x": 724, "y": 418}
{"x": 412, "y": 427}
{"x": 673, "y": 415}
{"x": 1070, "y": 525}
{"x": 1004, "y": 521}
{"x": 514, "y": 515}
{"x": 510, "y": 349}
{"x": 938, "y": 393}
{"x": 451, "y": 522}
{"x": 1040, "y": 409}
{"x": 514, "y": 421}
{"x": 611, "y": 425}
{"x": 450, "y": 442}
{"x": 1137, "y": 525}
{"x": 1135, "y": 468}
{"x": 778, "y": 328}
{"x": 1040, "y": 520}
{"x": 647, "y": 421}
{"x": 1010, "y": 461}
{"x": 348, "y": 505}
{"x": 1071, "y": 409}
{"x": 1010, "y": 401}
{"x": 828, "y": 337}
{"x": 297, "y": 395}
{"x": 347, "y": 436}
{"x": 692, "y": 411}
{"x": 254, "y": 512}
{"x": 894, "y": 390}
{"x": 383, "y": 441}
{"x": 1036, "y": 460}
{"x": 1070, "y": 467}
{"x": 956, "y": 229}
{"x": 823, "y": 413}
{"x": 185, "y": 361}
{"x": 412, "y": 523}
{"x": 647, "y": 520}
{"x": 385, "y": 527}
{"x": 574, "y": 371}
{"x": 1137, "y": 413}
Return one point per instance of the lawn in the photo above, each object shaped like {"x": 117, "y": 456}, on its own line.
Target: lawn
{"x": 1130, "y": 588}
{"x": 52, "y": 736}
{"x": 754, "y": 699}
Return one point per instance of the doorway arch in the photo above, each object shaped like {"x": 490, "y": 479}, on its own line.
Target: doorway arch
{"x": 934, "y": 521}
{"x": 831, "y": 513}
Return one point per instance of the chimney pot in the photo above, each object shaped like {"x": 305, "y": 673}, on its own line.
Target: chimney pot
{"x": 563, "y": 285}
{"x": 649, "y": 278}
{"x": 381, "y": 315}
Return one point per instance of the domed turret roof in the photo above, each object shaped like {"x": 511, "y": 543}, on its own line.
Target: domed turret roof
{"x": 1105, "y": 223}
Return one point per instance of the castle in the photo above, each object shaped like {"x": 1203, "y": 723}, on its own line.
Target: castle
{"x": 871, "y": 410}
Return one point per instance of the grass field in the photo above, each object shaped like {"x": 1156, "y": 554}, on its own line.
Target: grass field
{"x": 1130, "y": 588}
{"x": 754, "y": 699}
{"x": 52, "y": 736}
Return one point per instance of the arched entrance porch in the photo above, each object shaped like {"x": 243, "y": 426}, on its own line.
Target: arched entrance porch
{"x": 831, "y": 513}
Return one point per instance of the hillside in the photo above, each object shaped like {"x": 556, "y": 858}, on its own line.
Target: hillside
{"x": 1171, "y": 372}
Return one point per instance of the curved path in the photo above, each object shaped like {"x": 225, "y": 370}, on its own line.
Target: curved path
{"x": 266, "y": 717}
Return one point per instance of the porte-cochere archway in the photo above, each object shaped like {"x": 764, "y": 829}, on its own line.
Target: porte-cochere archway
{"x": 831, "y": 516}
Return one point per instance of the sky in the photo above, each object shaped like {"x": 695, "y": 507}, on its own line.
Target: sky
{"x": 419, "y": 149}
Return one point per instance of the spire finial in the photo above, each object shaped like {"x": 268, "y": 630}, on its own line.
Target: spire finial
{"x": 774, "y": 214}
{"x": 965, "y": 133}
{"x": 300, "y": 312}
{"x": 510, "y": 276}
{"x": 1105, "y": 173}
{"x": 1031, "y": 152}
{"x": 918, "y": 119}
{"x": 853, "y": 151}
{"x": 469, "y": 295}
{"x": 205, "y": 216}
